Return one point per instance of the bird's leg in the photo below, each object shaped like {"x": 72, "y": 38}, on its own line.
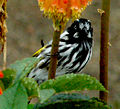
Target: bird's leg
{"x": 42, "y": 43}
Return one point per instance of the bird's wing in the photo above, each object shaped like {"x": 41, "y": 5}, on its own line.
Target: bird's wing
{"x": 39, "y": 51}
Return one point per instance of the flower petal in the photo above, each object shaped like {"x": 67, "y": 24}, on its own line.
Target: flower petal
{"x": 1, "y": 74}
{"x": 1, "y": 92}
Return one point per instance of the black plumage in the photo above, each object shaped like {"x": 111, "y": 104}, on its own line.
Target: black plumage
{"x": 75, "y": 50}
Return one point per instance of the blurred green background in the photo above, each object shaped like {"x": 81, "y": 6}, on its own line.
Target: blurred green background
{"x": 27, "y": 26}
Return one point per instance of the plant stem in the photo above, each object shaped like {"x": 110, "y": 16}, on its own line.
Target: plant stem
{"x": 3, "y": 30}
{"x": 54, "y": 53}
{"x": 104, "y": 48}
{"x": 5, "y": 54}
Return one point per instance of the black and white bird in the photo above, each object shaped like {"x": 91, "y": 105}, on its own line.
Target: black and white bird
{"x": 75, "y": 50}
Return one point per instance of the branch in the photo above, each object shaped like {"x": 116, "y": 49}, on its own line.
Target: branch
{"x": 104, "y": 48}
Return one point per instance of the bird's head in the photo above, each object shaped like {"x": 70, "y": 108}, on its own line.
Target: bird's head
{"x": 81, "y": 28}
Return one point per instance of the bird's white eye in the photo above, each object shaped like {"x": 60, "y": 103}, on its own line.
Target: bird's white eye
{"x": 81, "y": 26}
{"x": 76, "y": 35}
{"x": 88, "y": 20}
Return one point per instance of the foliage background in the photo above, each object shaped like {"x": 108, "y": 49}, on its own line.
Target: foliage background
{"x": 27, "y": 27}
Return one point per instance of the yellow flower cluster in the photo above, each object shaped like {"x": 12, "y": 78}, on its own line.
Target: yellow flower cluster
{"x": 63, "y": 9}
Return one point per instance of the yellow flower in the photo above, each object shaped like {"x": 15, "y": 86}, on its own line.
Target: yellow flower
{"x": 63, "y": 10}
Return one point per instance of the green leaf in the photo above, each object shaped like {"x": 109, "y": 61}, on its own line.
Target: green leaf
{"x": 72, "y": 101}
{"x": 71, "y": 82}
{"x": 9, "y": 76}
{"x": 31, "y": 86}
{"x": 68, "y": 96}
{"x": 2, "y": 85}
{"x": 14, "y": 97}
{"x": 24, "y": 66}
{"x": 30, "y": 106}
{"x": 33, "y": 89}
{"x": 46, "y": 94}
